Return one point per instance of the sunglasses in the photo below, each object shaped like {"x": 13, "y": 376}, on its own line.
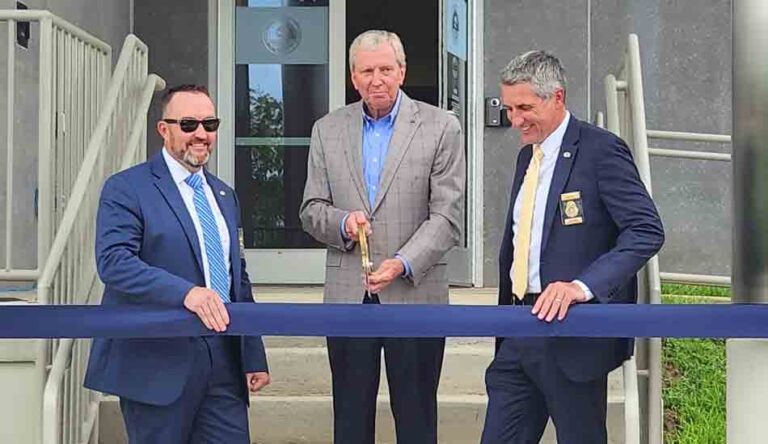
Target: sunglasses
{"x": 190, "y": 125}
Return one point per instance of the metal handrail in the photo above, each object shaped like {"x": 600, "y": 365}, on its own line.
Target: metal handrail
{"x": 131, "y": 44}
{"x": 629, "y": 372}
{"x": 84, "y": 76}
{"x": 625, "y": 116}
{"x": 69, "y": 410}
{"x": 63, "y": 358}
{"x": 642, "y": 158}
{"x": 685, "y": 154}
{"x": 691, "y": 137}
{"x": 687, "y": 278}
{"x": 38, "y": 15}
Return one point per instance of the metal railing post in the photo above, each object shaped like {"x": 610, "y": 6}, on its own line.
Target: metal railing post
{"x": 9, "y": 128}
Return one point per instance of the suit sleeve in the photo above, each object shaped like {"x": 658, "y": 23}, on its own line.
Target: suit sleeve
{"x": 119, "y": 234}
{"x": 254, "y": 355}
{"x": 640, "y": 232}
{"x": 442, "y": 229}
{"x": 318, "y": 216}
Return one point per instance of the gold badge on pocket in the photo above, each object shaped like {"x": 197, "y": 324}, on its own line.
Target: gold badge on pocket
{"x": 571, "y": 208}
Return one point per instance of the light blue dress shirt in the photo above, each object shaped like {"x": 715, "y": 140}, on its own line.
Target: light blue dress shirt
{"x": 377, "y": 133}
{"x": 376, "y": 137}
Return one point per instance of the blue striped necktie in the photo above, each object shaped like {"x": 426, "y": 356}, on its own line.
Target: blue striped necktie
{"x": 214, "y": 250}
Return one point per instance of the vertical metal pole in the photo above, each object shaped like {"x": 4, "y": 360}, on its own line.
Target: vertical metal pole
{"x": 612, "y": 105}
{"x": 642, "y": 158}
{"x": 10, "y": 95}
{"x": 747, "y": 392}
{"x": 45, "y": 189}
{"x": 45, "y": 199}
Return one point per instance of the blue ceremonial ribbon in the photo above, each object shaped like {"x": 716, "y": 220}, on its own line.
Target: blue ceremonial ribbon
{"x": 358, "y": 320}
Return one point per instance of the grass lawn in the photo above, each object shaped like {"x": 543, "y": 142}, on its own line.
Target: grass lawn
{"x": 695, "y": 290}
{"x": 694, "y": 378}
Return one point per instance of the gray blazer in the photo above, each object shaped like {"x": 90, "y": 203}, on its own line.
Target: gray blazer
{"x": 419, "y": 209}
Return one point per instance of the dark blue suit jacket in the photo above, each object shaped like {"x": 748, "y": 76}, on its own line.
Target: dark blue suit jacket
{"x": 620, "y": 232}
{"x": 147, "y": 252}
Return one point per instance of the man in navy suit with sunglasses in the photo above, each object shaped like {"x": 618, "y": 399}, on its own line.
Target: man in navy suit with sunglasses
{"x": 167, "y": 236}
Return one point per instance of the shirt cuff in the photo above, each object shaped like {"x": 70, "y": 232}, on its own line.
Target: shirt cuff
{"x": 407, "y": 272}
{"x": 585, "y": 289}
{"x": 341, "y": 228}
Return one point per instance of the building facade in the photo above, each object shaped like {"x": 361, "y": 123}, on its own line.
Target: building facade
{"x": 275, "y": 66}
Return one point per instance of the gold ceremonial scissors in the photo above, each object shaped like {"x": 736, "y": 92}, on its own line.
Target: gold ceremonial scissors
{"x": 365, "y": 256}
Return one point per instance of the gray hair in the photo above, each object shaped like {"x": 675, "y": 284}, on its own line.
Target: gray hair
{"x": 372, "y": 39}
{"x": 541, "y": 69}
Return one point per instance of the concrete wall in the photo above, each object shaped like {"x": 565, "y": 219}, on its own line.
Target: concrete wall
{"x": 176, "y": 32}
{"x": 108, "y": 20}
{"x": 686, "y": 54}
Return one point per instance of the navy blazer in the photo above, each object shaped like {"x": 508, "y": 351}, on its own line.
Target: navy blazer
{"x": 147, "y": 252}
{"x": 621, "y": 230}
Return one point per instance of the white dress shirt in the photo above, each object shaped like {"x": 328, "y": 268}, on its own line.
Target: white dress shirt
{"x": 179, "y": 174}
{"x": 550, "y": 147}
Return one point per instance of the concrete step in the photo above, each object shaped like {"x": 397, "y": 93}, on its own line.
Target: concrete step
{"x": 305, "y": 371}
{"x": 308, "y": 420}
{"x": 314, "y": 294}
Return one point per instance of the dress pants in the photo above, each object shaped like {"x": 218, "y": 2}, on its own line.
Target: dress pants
{"x": 212, "y": 407}
{"x": 413, "y": 372}
{"x": 526, "y": 386}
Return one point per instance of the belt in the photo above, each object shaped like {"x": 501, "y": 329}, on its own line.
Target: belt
{"x": 528, "y": 299}
{"x": 371, "y": 298}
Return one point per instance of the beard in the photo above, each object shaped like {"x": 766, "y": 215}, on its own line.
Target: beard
{"x": 196, "y": 161}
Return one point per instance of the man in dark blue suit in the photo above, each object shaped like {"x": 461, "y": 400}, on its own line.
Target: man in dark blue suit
{"x": 580, "y": 226}
{"x": 167, "y": 236}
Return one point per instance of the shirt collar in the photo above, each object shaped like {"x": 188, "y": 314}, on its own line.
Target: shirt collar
{"x": 178, "y": 172}
{"x": 551, "y": 145}
{"x": 389, "y": 119}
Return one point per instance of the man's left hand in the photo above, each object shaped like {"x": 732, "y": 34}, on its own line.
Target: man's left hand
{"x": 257, "y": 380}
{"x": 388, "y": 271}
{"x": 556, "y": 299}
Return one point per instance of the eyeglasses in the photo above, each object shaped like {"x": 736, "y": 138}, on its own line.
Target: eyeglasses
{"x": 189, "y": 125}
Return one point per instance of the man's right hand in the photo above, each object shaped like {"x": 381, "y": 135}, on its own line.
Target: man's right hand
{"x": 208, "y": 306}
{"x": 355, "y": 221}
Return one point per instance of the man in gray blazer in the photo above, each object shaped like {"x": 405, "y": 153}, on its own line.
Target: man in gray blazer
{"x": 394, "y": 167}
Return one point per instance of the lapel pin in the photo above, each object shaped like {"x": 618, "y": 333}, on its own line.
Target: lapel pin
{"x": 222, "y": 192}
{"x": 567, "y": 154}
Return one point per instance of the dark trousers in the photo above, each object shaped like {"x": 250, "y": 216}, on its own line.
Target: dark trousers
{"x": 413, "y": 371}
{"x": 526, "y": 386}
{"x": 212, "y": 407}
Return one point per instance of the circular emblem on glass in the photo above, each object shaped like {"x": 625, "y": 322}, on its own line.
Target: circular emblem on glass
{"x": 282, "y": 36}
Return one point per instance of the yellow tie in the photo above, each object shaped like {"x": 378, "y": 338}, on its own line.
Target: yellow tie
{"x": 523, "y": 241}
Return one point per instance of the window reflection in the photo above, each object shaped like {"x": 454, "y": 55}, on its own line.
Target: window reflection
{"x": 276, "y": 105}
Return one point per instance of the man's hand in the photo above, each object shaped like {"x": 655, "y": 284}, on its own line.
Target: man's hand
{"x": 207, "y": 305}
{"x": 257, "y": 380}
{"x": 355, "y": 221}
{"x": 556, "y": 299}
{"x": 389, "y": 270}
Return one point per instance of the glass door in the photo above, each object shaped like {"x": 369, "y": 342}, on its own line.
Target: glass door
{"x": 282, "y": 64}
{"x": 281, "y": 54}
